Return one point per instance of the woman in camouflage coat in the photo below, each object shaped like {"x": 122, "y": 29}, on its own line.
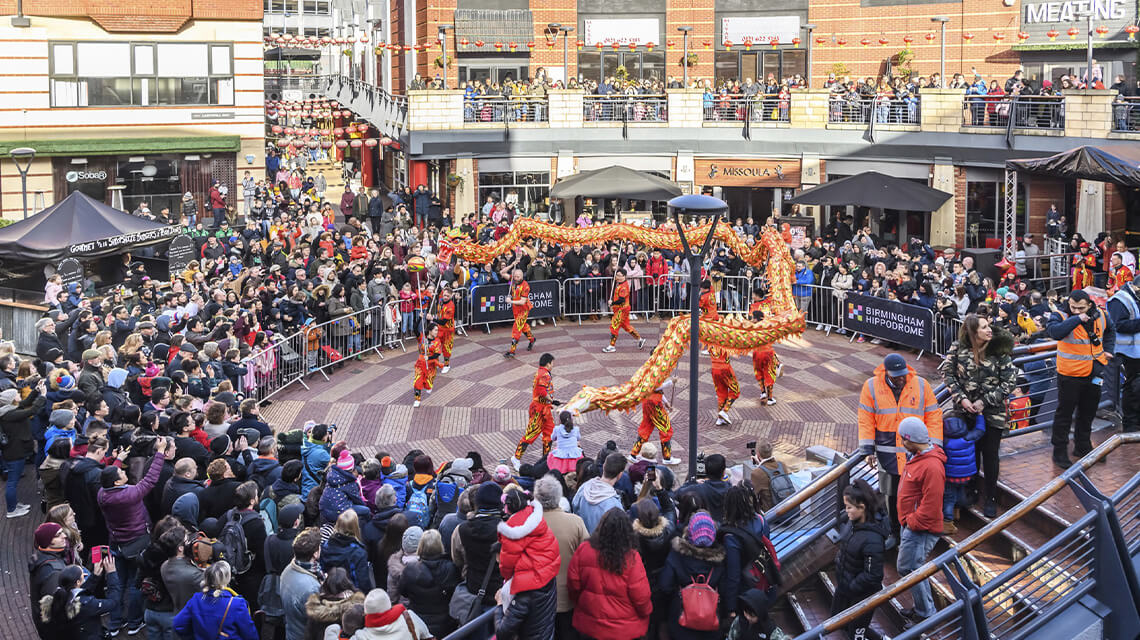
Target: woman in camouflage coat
{"x": 980, "y": 373}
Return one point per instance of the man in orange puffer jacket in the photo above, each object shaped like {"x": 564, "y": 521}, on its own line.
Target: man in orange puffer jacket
{"x": 529, "y": 561}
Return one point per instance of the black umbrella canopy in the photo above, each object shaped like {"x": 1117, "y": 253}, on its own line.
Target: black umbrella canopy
{"x": 1116, "y": 163}
{"x": 875, "y": 190}
{"x": 78, "y": 227}
{"x": 615, "y": 182}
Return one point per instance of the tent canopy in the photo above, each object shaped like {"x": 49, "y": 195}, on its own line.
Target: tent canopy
{"x": 615, "y": 182}
{"x": 877, "y": 191}
{"x": 78, "y": 227}
{"x": 1117, "y": 163}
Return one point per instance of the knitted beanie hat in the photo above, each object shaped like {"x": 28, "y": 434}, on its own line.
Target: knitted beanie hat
{"x": 345, "y": 461}
{"x": 702, "y": 529}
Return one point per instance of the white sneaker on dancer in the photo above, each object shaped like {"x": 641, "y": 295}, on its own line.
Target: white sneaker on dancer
{"x": 641, "y": 343}
{"x": 428, "y": 391}
{"x": 516, "y": 463}
{"x": 779, "y": 369}
{"x": 724, "y": 416}
{"x": 416, "y": 404}
{"x": 609, "y": 348}
{"x": 720, "y": 422}
{"x": 763, "y": 395}
{"x": 445, "y": 369}
{"x": 704, "y": 352}
{"x": 771, "y": 401}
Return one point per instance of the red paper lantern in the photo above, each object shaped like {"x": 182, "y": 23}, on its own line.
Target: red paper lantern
{"x": 364, "y": 38}
{"x": 841, "y": 42}
{"x": 530, "y": 45}
{"x": 796, "y": 42}
{"x": 346, "y": 114}
{"x": 866, "y": 42}
{"x": 669, "y": 45}
{"x": 968, "y": 37}
{"x": 289, "y": 131}
{"x": 276, "y": 129}
{"x": 615, "y": 46}
{"x": 326, "y": 144}
{"x": 362, "y": 128}
{"x": 355, "y": 143}
{"x": 775, "y": 42}
{"x": 1131, "y": 31}
{"x": 930, "y": 37}
{"x": 326, "y": 132}
{"x": 1101, "y": 30}
{"x": 385, "y": 141}
{"x": 598, "y": 46}
{"x": 649, "y": 46}
{"x": 498, "y": 46}
{"x": 340, "y": 144}
{"x": 907, "y": 40}
{"x": 821, "y": 40}
{"x": 998, "y": 37}
{"x": 883, "y": 41}
{"x": 728, "y": 45}
{"x": 407, "y": 48}
{"x": 371, "y": 142}
{"x": 312, "y": 144}
{"x": 326, "y": 40}
{"x": 284, "y": 143}
{"x": 464, "y": 42}
{"x": 633, "y": 46}
{"x": 338, "y": 132}
{"x": 297, "y": 144}
{"x": 748, "y": 45}
{"x": 334, "y": 104}
{"x": 512, "y": 46}
{"x": 708, "y": 45}
{"x": 1052, "y": 33}
{"x": 479, "y": 43}
{"x": 579, "y": 44}
{"x": 1073, "y": 32}
{"x": 1022, "y": 36}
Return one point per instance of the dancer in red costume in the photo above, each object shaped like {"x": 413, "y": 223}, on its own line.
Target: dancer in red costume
{"x": 765, "y": 364}
{"x": 520, "y": 307}
{"x": 427, "y": 364}
{"x": 724, "y": 379}
{"x": 620, "y": 303}
{"x": 446, "y": 321}
{"x": 707, "y": 305}
{"x": 540, "y": 419}
{"x": 655, "y": 417}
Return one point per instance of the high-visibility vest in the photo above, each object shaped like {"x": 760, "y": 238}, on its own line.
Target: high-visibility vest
{"x": 1076, "y": 352}
{"x": 880, "y": 414}
{"x": 1127, "y": 344}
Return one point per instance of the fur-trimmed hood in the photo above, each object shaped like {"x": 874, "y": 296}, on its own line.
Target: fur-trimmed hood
{"x": 650, "y": 532}
{"x": 713, "y": 554}
{"x": 325, "y": 610}
{"x": 73, "y": 607}
{"x": 523, "y": 523}
{"x": 1001, "y": 344}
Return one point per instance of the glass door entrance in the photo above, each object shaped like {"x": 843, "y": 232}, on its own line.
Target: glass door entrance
{"x": 613, "y": 62}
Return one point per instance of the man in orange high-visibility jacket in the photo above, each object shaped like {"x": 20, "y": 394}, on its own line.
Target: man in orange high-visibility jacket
{"x": 1086, "y": 339}
{"x": 893, "y": 393}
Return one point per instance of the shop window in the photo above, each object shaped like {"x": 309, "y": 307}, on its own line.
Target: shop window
{"x": 727, "y": 67}
{"x": 985, "y": 213}
{"x": 100, "y": 74}
{"x": 317, "y": 7}
{"x": 529, "y": 191}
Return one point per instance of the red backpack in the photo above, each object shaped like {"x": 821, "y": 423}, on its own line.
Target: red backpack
{"x": 698, "y": 606}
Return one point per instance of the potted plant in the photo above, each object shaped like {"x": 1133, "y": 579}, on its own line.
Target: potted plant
{"x": 454, "y": 180}
{"x": 688, "y": 61}
{"x": 439, "y": 62}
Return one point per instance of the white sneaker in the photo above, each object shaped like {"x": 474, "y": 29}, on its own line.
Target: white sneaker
{"x": 771, "y": 401}
{"x": 641, "y": 343}
{"x": 671, "y": 461}
{"x": 18, "y": 513}
{"x": 21, "y": 505}
{"x": 763, "y": 395}
{"x": 445, "y": 369}
{"x": 609, "y": 348}
{"x": 704, "y": 352}
{"x": 428, "y": 391}
{"x": 416, "y": 404}
{"x": 876, "y": 341}
{"x": 516, "y": 463}
{"x": 720, "y": 422}
{"x": 819, "y": 327}
{"x": 724, "y": 416}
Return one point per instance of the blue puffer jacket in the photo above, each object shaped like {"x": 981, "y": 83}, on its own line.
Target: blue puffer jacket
{"x": 204, "y": 615}
{"x": 315, "y": 456}
{"x": 959, "y": 436}
{"x": 345, "y": 551}
{"x": 341, "y": 493}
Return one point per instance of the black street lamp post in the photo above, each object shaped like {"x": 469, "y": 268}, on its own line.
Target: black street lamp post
{"x": 697, "y": 206}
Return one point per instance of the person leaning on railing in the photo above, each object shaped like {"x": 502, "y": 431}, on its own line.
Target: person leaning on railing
{"x": 979, "y": 371}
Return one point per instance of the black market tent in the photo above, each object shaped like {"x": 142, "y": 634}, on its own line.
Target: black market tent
{"x": 1117, "y": 163}
{"x": 78, "y": 227}
{"x": 877, "y": 191}
{"x": 615, "y": 182}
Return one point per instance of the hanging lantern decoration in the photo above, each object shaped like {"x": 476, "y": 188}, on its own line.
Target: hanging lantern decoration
{"x": 579, "y": 44}
{"x": 326, "y": 144}
{"x": 1073, "y": 33}
{"x": 326, "y": 132}
{"x": 338, "y": 132}
{"x": 748, "y": 45}
{"x": 1101, "y": 30}
{"x": 841, "y": 42}
{"x": 1131, "y": 31}
{"x": 498, "y": 46}
{"x": 355, "y": 143}
{"x": 312, "y": 144}
{"x": 728, "y": 45}
{"x": 1022, "y": 37}
{"x": 385, "y": 141}
{"x": 1052, "y": 33}
{"x": 326, "y": 40}
{"x": 298, "y": 143}
{"x": 284, "y": 143}
{"x": 276, "y": 129}
{"x": 821, "y": 40}
{"x": 775, "y": 42}
{"x": 288, "y": 131}
{"x": 883, "y": 41}
{"x": 362, "y": 128}
{"x": 341, "y": 144}
{"x": 479, "y": 44}
{"x": 633, "y": 46}
{"x": 346, "y": 114}
{"x": 649, "y": 46}
{"x": 670, "y": 45}
{"x": 513, "y": 45}
{"x": 364, "y": 38}
{"x": 530, "y": 45}
{"x": 334, "y": 104}
{"x": 371, "y": 142}
{"x": 708, "y": 45}
{"x": 968, "y": 37}
{"x": 796, "y": 42}
{"x": 463, "y": 42}
{"x": 599, "y": 46}
{"x": 866, "y": 42}
{"x": 930, "y": 37}
{"x": 907, "y": 40}
{"x": 998, "y": 37}
{"x": 616, "y": 46}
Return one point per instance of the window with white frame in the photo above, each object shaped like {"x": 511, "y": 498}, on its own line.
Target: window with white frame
{"x": 141, "y": 74}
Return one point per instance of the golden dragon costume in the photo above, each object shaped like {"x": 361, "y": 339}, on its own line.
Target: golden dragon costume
{"x": 732, "y": 333}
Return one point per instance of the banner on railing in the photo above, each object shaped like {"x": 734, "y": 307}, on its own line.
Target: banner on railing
{"x": 894, "y": 321}
{"x": 491, "y": 302}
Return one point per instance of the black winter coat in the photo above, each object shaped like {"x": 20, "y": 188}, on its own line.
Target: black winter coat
{"x": 530, "y": 616}
{"x": 80, "y": 489}
{"x": 428, "y": 585}
{"x": 477, "y": 536}
{"x": 685, "y": 562}
{"x": 859, "y": 561}
{"x": 653, "y": 544}
{"x": 16, "y": 424}
{"x": 43, "y": 574}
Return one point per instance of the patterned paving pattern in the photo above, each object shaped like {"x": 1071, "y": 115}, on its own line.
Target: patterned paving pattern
{"x": 481, "y": 402}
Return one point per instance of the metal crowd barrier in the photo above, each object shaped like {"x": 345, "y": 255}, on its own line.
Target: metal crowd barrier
{"x": 885, "y": 110}
{"x": 497, "y": 109}
{"x": 583, "y": 297}
{"x": 625, "y": 108}
{"x": 1126, "y": 113}
{"x": 1028, "y": 112}
{"x": 275, "y": 367}
{"x": 759, "y": 108}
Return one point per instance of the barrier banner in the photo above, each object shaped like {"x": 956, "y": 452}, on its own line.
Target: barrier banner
{"x": 491, "y": 302}
{"x": 897, "y": 322}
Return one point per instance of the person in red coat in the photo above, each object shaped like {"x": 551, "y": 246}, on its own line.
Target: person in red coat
{"x": 607, "y": 583}
{"x": 529, "y": 561}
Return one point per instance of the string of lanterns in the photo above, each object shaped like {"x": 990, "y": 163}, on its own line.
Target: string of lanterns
{"x": 323, "y": 136}
{"x": 313, "y": 42}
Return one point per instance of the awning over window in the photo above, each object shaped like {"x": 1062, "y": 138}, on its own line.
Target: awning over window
{"x": 491, "y": 26}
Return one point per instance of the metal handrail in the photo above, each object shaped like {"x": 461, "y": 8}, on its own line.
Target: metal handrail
{"x": 478, "y": 622}
{"x": 995, "y": 527}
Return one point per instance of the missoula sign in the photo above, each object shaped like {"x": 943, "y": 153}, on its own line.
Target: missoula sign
{"x": 736, "y": 172}
{"x": 1037, "y": 18}
{"x": 103, "y": 245}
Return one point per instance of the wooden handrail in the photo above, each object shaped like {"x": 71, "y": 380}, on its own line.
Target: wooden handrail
{"x": 1035, "y": 500}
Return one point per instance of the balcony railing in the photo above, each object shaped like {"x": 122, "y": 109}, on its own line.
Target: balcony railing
{"x": 309, "y": 86}
{"x": 884, "y": 110}
{"x": 1126, "y": 114}
{"x": 499, "y": 109}
{"x": 759, "y": 108}
{"x": 625, "y": 108}
{"x": 1028, "y": 112}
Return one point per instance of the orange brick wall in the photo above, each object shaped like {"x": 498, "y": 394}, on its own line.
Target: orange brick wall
{"x": 701, "y": 16}
{"x": 1043, "y": 193}
{"x": 166, "y": 9}
{"x": 835, "y": 19}
{"x": 1115, "y": 211}
{"x": 959, "y": 207}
